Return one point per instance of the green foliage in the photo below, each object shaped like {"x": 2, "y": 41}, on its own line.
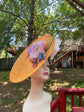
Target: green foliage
{"x": 70, "y": 20}
{"x": 20, "y": 51}
{"x": 3, "y": 54}
{"x": 15, "y": 17}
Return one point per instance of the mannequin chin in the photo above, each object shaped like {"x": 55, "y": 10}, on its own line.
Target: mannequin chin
{"x": 38, "y": 100}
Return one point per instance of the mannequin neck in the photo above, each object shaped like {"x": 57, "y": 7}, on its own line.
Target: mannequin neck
{"x": 36, "y": 90}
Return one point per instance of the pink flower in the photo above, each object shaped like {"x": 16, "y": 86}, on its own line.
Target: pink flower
{"x": 36, "y": 49}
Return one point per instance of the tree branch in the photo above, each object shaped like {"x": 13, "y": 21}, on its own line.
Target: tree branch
{"x": 71, "y": 3}
{"x": 46, "y": 6}
{"x": 79, "y": 3}
{"x": 14, "y": 15}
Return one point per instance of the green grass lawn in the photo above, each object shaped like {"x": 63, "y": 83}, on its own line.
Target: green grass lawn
{"x": 12, "y": 96}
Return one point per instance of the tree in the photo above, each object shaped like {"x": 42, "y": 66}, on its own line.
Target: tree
{"x": 19, "y": 21}
{"x": 69, "y": 20}
{"x": 25, "y": 18}
{"x": 77, "y": 4}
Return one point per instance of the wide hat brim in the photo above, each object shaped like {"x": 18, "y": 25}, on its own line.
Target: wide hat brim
{"x": 22, "y": 68}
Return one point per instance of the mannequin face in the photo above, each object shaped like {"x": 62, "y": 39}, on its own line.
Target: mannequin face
{"x": 42, "y": 73}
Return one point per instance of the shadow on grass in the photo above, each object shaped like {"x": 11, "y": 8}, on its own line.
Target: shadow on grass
{"x": 72, "y": 78}
{"x": 12, "y": 96}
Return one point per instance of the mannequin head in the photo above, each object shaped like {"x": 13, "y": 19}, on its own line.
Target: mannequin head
{"x": 42, "y": 74}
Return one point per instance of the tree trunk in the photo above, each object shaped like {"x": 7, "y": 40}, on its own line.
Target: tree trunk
{"x": 0, "y": 53}
{"x": 74, "y": 6}
{"x": 81, "y": 4}
{"x": 30, "y": 25}
{"x": 30, "y": 30}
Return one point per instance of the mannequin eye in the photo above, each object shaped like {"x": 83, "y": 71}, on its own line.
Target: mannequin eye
{"x": 47, "y": 64}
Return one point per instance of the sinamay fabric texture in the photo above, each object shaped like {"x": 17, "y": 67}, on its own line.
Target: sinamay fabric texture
{"x": 23, "y": 68}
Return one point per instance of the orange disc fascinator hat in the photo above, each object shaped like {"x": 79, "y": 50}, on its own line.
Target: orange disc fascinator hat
{"x": 33, "y": 57}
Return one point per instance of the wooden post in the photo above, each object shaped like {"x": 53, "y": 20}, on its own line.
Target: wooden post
{"x": 62, "y": 100}
{"x": 72, "y": 59}
{"x": 62, "y": 62}
{"x": 76, "y": 57}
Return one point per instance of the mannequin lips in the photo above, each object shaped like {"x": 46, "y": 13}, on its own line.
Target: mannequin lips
{"x": 45, "y": 73}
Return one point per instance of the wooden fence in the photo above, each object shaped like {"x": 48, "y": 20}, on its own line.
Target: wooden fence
{"x": 7, "y": 63}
